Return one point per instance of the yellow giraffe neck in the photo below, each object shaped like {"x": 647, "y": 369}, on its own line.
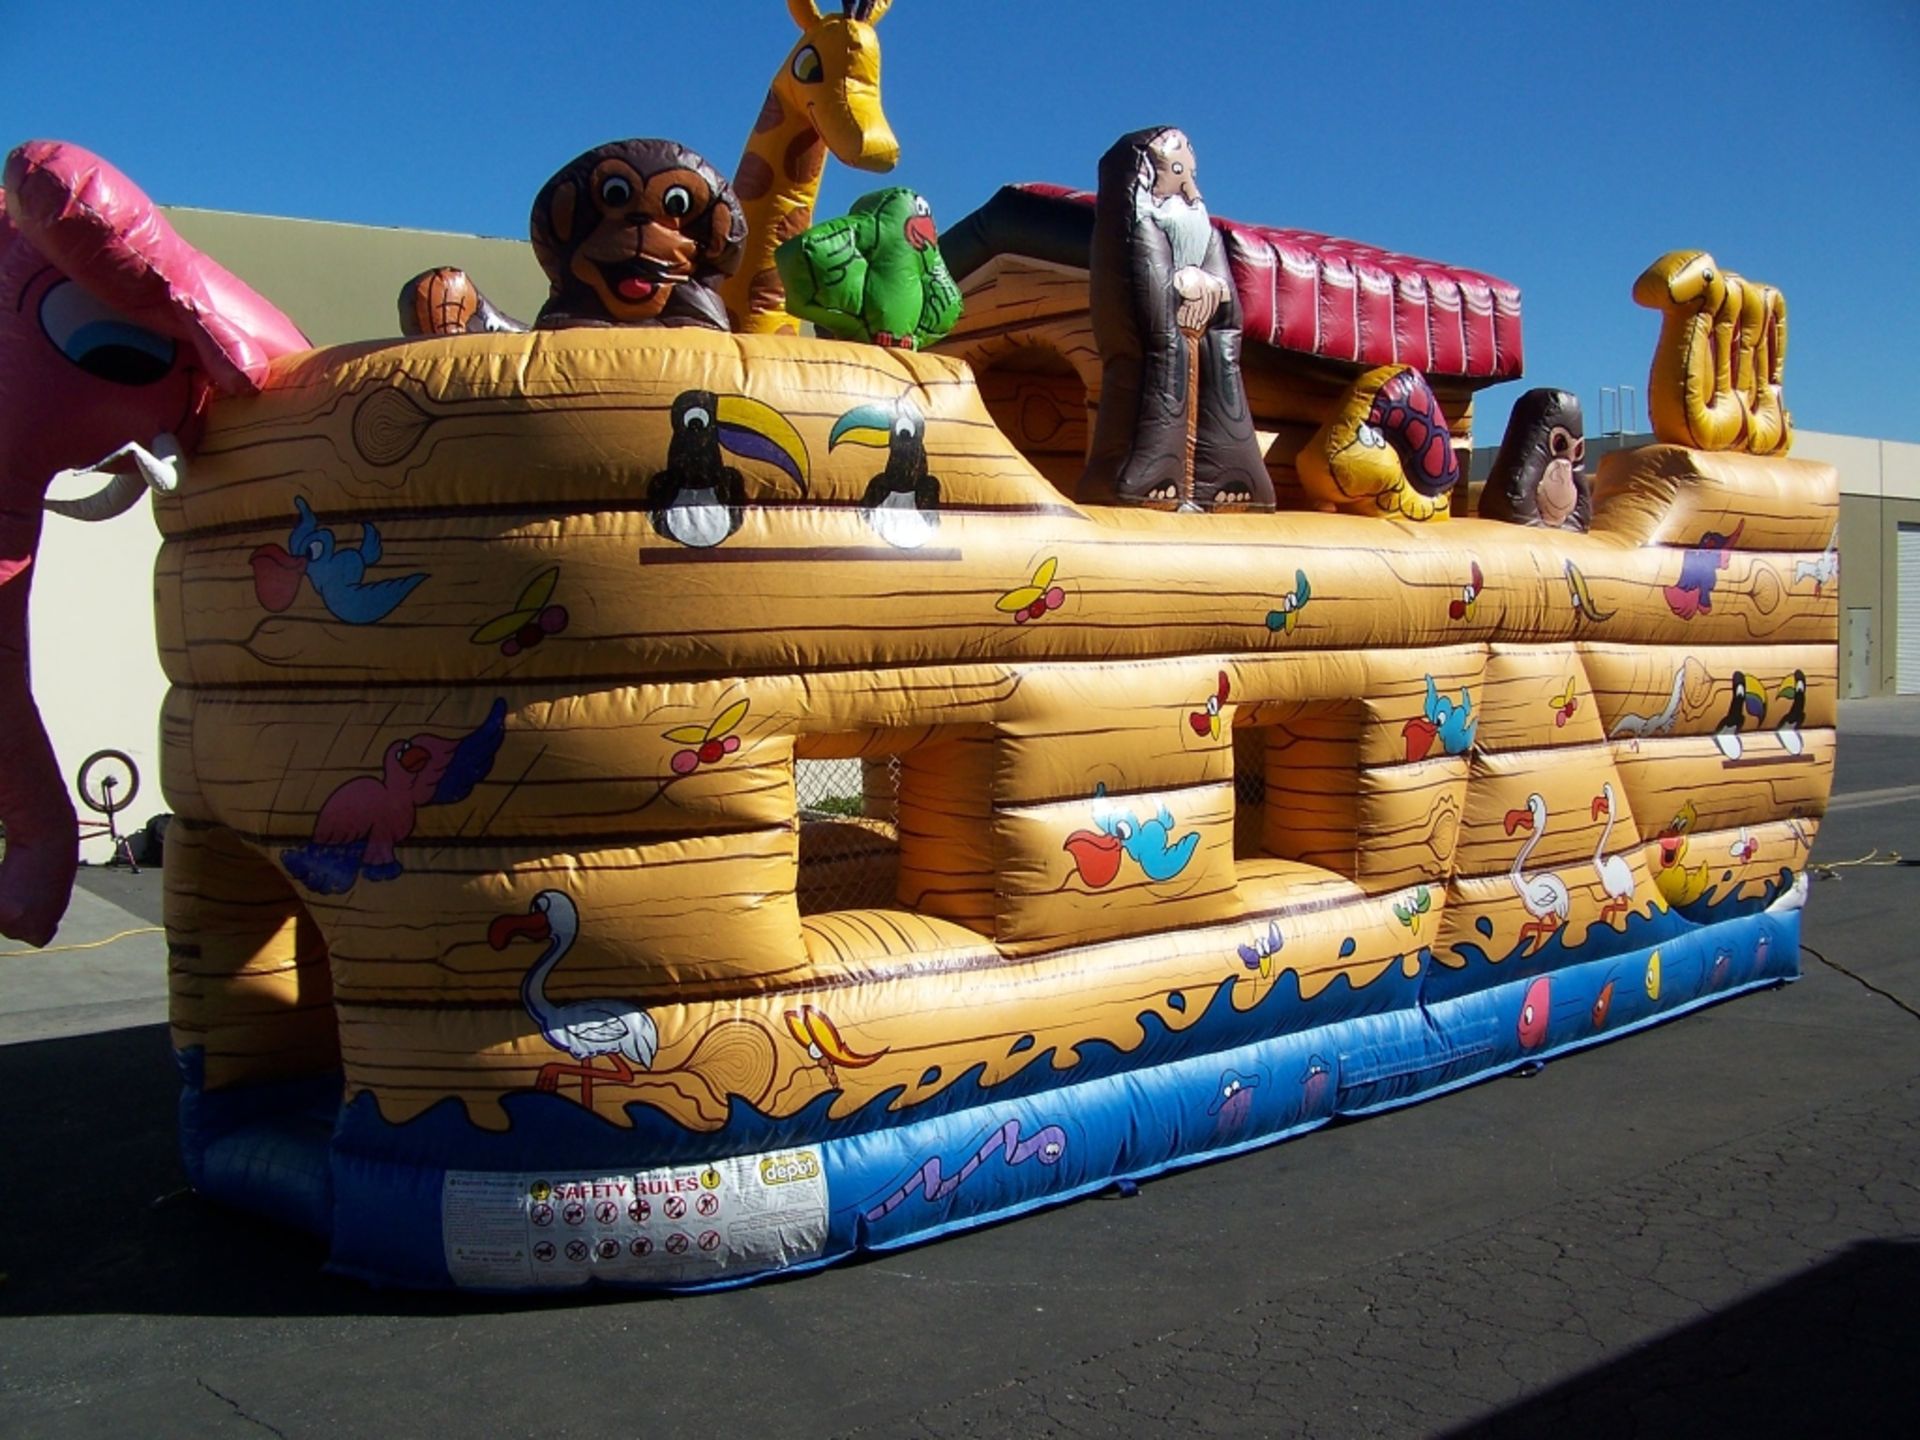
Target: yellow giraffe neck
{"x": 825, "y": 96}
{"x": 777, "y": 180}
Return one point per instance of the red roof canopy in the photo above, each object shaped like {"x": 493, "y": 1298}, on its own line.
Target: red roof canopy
{"x": 1342, "y": 300}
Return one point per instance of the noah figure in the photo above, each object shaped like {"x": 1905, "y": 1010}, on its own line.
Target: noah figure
{"x": 1173, "y": 429}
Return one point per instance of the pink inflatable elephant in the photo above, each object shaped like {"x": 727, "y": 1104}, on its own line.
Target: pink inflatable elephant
{"x": 114, "y": 334}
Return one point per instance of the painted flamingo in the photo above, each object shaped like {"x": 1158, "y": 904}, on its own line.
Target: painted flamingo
{"x": 583, "y": 1028}
{"x": 1615, "y": 877}
{"x": 1545, "y": 896}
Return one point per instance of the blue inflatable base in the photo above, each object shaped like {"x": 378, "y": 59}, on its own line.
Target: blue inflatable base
{"x": 562, "y": 1198}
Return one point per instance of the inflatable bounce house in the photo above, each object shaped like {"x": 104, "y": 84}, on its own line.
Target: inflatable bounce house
{"x": 663, "y": 799}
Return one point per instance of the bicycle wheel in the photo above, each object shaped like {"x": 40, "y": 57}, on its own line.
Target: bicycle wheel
{"x": 108, "y": 781}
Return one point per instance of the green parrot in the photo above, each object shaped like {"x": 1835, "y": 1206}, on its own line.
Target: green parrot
{"x": 875, "y": 274}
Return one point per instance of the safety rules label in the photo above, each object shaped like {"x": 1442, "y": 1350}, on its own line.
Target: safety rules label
{"x": 687, "y": 1223}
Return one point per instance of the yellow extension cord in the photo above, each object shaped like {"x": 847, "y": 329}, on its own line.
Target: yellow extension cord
{"x": 89, "y": 945}
{"x": 1823, "y": 870}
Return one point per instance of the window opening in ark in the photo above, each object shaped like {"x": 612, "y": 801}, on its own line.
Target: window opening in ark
{"x": 849, "y": 831}
{"x": 1296, "y": 784}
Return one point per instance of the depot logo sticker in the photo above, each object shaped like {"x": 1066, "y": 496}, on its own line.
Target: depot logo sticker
{"x": 785, "y": 1169}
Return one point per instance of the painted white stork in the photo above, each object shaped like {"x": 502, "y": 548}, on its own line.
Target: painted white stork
{"x": 583, "y": 1028}
{"x": 1616, "y": 878}
{"x": 1545, "y": 896}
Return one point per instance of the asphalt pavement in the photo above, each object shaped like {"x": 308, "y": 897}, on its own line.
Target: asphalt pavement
{"x": 1712, "y": 1227}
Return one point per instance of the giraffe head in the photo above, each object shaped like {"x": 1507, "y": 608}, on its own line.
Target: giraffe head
{"x": 832, "y": 77}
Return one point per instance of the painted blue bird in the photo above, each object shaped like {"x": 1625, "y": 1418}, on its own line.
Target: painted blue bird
{"x": 1148, "y": 843}
{"x": 337, "y": 574}
{"x": 1151, "y": 845}
{"x": 1443, "y": 720}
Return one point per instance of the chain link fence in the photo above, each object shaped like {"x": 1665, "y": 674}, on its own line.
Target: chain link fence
{"x": 1249, "y": 789}
{"x": 849, "y": 834}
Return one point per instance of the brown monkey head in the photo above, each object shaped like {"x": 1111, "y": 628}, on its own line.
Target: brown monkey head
{"x": 1537, "y": 476}
{"x": 635, "y": 232}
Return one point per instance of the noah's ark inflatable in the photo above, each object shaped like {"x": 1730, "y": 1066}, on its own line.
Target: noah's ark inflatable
{"x": 661, "y": 804}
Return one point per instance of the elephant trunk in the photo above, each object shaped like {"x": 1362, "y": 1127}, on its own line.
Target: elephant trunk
{"x": 42, "y": 849}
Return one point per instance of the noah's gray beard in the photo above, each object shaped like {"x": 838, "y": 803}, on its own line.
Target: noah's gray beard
{"x": 1185, "y": 224}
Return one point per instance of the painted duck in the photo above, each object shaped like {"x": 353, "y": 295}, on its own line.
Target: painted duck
{"x": 1678, "y": 885}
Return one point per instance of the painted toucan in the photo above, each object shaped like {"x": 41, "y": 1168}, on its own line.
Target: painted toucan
{"x": 698, "y": 499}
{"x": 1794, "y": 690}
{"x": 902, "y": 503}
{"x": 1726, "y": 735}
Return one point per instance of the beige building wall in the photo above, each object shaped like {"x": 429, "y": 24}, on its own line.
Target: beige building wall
{"x": 342, "y": 282}
{"x": 1879, "y": 491}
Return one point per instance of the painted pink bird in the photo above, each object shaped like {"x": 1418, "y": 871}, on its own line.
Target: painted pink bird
{"x": 365, "y": 819}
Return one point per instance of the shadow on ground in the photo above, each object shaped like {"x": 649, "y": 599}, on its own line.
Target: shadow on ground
{"x": 99, "y": 1219}
{"x": 140, "y": 894}
{"x": 1853, "y": 1322}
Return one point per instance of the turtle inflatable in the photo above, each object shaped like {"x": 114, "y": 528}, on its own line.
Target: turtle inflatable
{"x": 875, "y": 274}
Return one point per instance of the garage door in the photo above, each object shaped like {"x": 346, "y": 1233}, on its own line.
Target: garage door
{"x": 1907, "y": 662}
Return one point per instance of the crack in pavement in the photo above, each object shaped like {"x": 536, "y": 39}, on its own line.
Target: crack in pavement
{"x": 1862, "y": 982}
{"x": 235, "y": 1406}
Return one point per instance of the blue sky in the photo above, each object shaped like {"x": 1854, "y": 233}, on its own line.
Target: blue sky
{"x": 1559, "y": 146}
